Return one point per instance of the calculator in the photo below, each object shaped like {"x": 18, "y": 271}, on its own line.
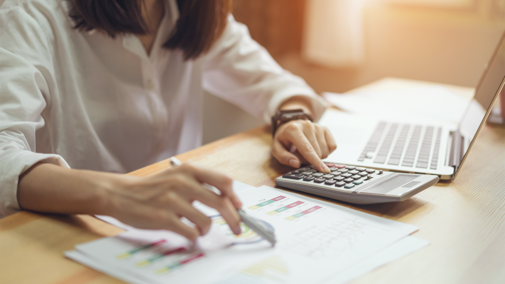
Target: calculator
{"x": 358, "y": 185}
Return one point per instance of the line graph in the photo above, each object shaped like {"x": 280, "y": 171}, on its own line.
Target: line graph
{"x": 332, "y": 239}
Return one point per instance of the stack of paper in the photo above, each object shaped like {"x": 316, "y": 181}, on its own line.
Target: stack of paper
{"x": 318, "y": 242}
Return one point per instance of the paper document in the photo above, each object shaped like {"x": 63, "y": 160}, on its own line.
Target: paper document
{"x": 316, "y": 240}
{"x": 421, "y": 103}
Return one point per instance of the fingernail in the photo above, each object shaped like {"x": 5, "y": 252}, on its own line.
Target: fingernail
{"x": 237, "y": 231}
{"x": 293, "y": 163}
{"x": 325, "y": 168}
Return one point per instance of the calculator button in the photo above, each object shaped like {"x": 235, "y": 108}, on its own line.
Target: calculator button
{"x": 330, "y": 164}
{"x": 340, "y": 184}
{"x": 350, "y": 167}
{"x": 319, "y": 180}
{"x": 340, "y": 178}
{"x": 318, "y": 174}
{"x": 363, "y": 174}
{"x": 339, "y": 166}
{"x": 346, "y": 175}
{"x": 330, "y": 182}
{"x": 360, "y": 169}
{"x": 334, "y": 169}
{"x": 380, "y": 172}
{"x": 308, "y": 178}
{"x": 368, "y": 178}
{"x": 370, "y": 171}
{"x": 356, "y": 177}
{"x": 356, "y": 182}
{"x": 353, "y": 172}
{"x": 349, "y": 185}
{"x": 306, "y": 173}
{"x": 328, "y": 176}
{"x": 336, "y": 173}
{"x": 343, "y": 170}
{"x": 292, "y": 176}
{"x": 348, "y": 180}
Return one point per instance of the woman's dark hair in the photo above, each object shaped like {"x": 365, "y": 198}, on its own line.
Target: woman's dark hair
{"x": 199, "y": 25}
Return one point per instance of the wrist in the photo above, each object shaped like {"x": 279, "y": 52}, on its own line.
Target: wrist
{"x": 282, "y": 117}
{"x": 109, "y": 191}
{"x": 298, "y": 102}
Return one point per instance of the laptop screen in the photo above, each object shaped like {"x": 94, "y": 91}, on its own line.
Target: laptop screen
{"x": 488, "y": 88}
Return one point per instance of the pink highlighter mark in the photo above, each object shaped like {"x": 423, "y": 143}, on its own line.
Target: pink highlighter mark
{"x": 294, "y": 204}
{"x": 278, "y": 198}
{"x": 310, "y": 210}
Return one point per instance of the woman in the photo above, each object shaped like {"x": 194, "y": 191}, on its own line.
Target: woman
{"x": 112, "y": 86}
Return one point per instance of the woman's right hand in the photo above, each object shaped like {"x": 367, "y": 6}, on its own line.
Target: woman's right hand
{"x": 159, "y": 201}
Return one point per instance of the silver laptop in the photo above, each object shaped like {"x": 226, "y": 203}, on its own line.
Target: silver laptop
{"x": 414, "y": 147}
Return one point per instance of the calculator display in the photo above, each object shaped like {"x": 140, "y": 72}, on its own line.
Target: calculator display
{"x": 390, "y": 184}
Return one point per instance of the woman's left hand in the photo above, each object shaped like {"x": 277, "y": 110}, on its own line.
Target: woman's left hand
{"x": 312, "y": 142}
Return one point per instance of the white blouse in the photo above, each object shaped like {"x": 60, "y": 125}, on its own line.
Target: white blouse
{"x": 92, "y": 102}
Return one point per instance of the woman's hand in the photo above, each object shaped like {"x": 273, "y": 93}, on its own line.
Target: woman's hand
{"x": 312, "y": 142}
{"x": 160, "y": 200}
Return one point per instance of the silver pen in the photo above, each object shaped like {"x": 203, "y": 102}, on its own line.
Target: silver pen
{"x": 246, "y": 219}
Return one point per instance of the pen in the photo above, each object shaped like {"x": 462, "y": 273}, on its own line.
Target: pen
{"x": 246, "y": 219}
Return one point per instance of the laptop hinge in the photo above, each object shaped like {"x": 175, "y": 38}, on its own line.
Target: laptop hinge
{"x": 456, "y": 150}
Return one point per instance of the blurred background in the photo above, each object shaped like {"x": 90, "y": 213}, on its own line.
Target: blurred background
{"x": 338, "y": 45}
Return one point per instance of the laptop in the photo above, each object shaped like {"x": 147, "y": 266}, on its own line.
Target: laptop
{"x": 416, "y": 146}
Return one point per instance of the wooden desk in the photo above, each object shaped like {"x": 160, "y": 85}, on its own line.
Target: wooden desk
{"x": 464, "y": 219}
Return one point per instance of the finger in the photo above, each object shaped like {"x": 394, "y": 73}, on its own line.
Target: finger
{"x": 219, "y": 202}
{"x": 202, "y": 222}
{"x": 332, "y": 145}
{"x": 225, "y": 208}
{"x": 307, "y": 151}
{"x": 321, "y": 139}
{"x": 222, "y": 182}
{"x": 310, "y": 132}
{"x": 177, "y": 226}
{"x": 284, "y": 156}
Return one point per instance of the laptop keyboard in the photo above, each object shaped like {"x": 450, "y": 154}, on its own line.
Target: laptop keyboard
{"x": 394, "y": 148}
{"x": 410, "y": 155}
{"x": 373, "y": 142}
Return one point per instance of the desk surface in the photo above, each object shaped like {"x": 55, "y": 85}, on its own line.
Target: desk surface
{"x": 464, "y": 219}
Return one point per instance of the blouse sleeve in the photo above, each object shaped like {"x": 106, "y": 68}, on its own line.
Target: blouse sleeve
{"x": 241, "y": 71}
{"x": 25, "y": 72}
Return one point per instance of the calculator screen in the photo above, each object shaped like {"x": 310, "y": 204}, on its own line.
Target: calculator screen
{"x": 390, "y": 184}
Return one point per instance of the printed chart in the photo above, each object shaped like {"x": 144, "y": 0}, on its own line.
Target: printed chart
{"x": 332, "y": 240}
{"x": 314, "y": 241}
{"x": 283, "y": 207}
{"x": 248, "y": 236}
{"x": 270, "y": 270}
{"x": 156, "y": 255}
